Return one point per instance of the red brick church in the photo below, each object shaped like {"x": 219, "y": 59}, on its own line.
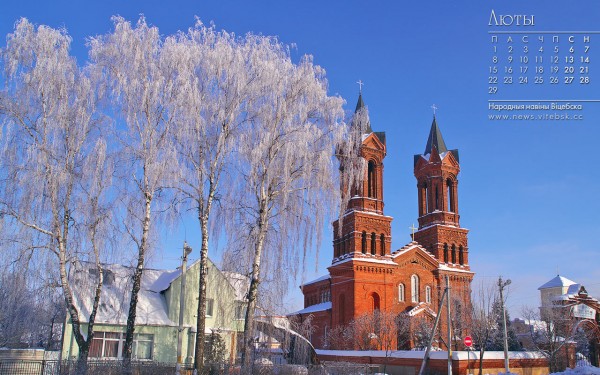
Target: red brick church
{"x": 366, "y": 274}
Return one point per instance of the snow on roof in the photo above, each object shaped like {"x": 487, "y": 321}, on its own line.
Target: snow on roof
{"x": 422, "y": 306}
{"x": 417, "y": 354}
{"x": 361, "y": 257}
{"x": 409, "y": 246}
{"x": 239, "y": 282}
{"x": 573, "y": 289}
{"x": 314, "y": 308}
{"x": 558, "y": 281}
{"x": 116, "y": 294}
{"x": 446, "y": 268}
{"x": 321, "y": 278}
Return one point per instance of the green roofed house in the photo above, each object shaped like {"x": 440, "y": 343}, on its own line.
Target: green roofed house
{"x": 158, "y": 306}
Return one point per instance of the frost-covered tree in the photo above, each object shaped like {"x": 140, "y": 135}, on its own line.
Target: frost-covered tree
{"x": 141, "y": 80}
{"x": 49, "y": 135}
{"x": 286, "y": 168}
{"x": 217, "y": 82}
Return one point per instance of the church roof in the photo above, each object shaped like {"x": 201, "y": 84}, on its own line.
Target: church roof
{"x": 435, "y": 139}
{"x": 558, "y": 281}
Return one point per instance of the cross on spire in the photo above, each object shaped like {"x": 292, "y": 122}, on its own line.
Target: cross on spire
{"x": 434, "y": 108}
{"x": 413, "y": 228}
{"x": 360, "y": 85}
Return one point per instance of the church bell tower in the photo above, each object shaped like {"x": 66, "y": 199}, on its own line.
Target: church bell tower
{"x": 436, "y": 171}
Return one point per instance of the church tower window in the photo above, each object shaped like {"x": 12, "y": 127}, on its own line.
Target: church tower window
{"x": 364, "y": 243}
{"x": 400, "y": 292}
{"x": 373, "y": 243}
{"x": 450, "y": 192}
{"x": 372, "y": 180}
{"x": 453, "y": 254}
{"x": 461, "y": 255}
{"x": 382, "y": 244}
{"x": 428, "y": 294}
{"x": 445, "y": 253}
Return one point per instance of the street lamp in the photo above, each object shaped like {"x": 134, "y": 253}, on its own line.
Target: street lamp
{"x": 501, "y": 286}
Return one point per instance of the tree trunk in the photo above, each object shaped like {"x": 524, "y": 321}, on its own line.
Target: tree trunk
{"x": 137, "y": 281}
{"x": 201, "y": 316}
{"x": 262, "y": 227}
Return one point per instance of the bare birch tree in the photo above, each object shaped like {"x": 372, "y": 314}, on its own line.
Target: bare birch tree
{"x": 286, "y": 167}
{"x": 141, "y": 80}
{"x": 48, "y": 109}
{"x": 483, "y": 321}
{"x": 217, "y": 83}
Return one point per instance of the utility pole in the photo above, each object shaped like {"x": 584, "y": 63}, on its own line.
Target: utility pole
{"x": 435, "y": 325}
{"x": 449, "y": 326}
{"x": 501, "y": 286}
{"x": 186, "y": 251}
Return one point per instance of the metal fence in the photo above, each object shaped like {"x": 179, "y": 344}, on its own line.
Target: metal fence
{"x": 53, "y": 367}
{"x": 20, "y": 367}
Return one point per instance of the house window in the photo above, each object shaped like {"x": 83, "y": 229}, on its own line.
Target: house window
{"x": 414, "y": 287}
{"x": 428, "y": 294}
{"x": 209, "y": 306}
{"x": 105, "y": 345}
{"x": 142, "y": 346}
{"x": 240, "y": 310}
{"x": 110, "y": 345}
{"x": 400, "y": 292}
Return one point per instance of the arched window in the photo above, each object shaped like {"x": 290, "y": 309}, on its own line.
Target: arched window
{"x": 427, "y": 203}
{"x": 400, "y": 292}
{"x": 375, "y": 301}
{"x": 461, "y": 255}
{"x": 382, "y": 244}
{"x": 445, "y": 253}
{"x": 422, "y": 198}
{"x": 372, "y": 180}
{"x": 428, "y": 294}
{"x": 453, "y": 254}
{"x": 373, "y": 244}
{"x": 437, "y": 198}
{"x": 364, "y": 243}
{"x": 450, "y": 191}
{"x": 414, "y": 288}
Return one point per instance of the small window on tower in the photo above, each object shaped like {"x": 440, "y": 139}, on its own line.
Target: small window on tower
{"x": 428, "y": 294}
{"x": 364, "y": 243}
{"x": 373, "y": 244}
{"x": 445, "y": 253}
{"x": 382, "y": 244}
{"x": 372, "y": 178}
{"x": 453, "y": 254}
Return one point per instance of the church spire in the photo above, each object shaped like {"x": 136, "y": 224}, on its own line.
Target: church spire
{"x": 435, "y": 139}
{"x": 360, "y": 105}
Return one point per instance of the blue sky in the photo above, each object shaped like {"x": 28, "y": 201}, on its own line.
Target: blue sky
{"x": 528, "y": 190}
